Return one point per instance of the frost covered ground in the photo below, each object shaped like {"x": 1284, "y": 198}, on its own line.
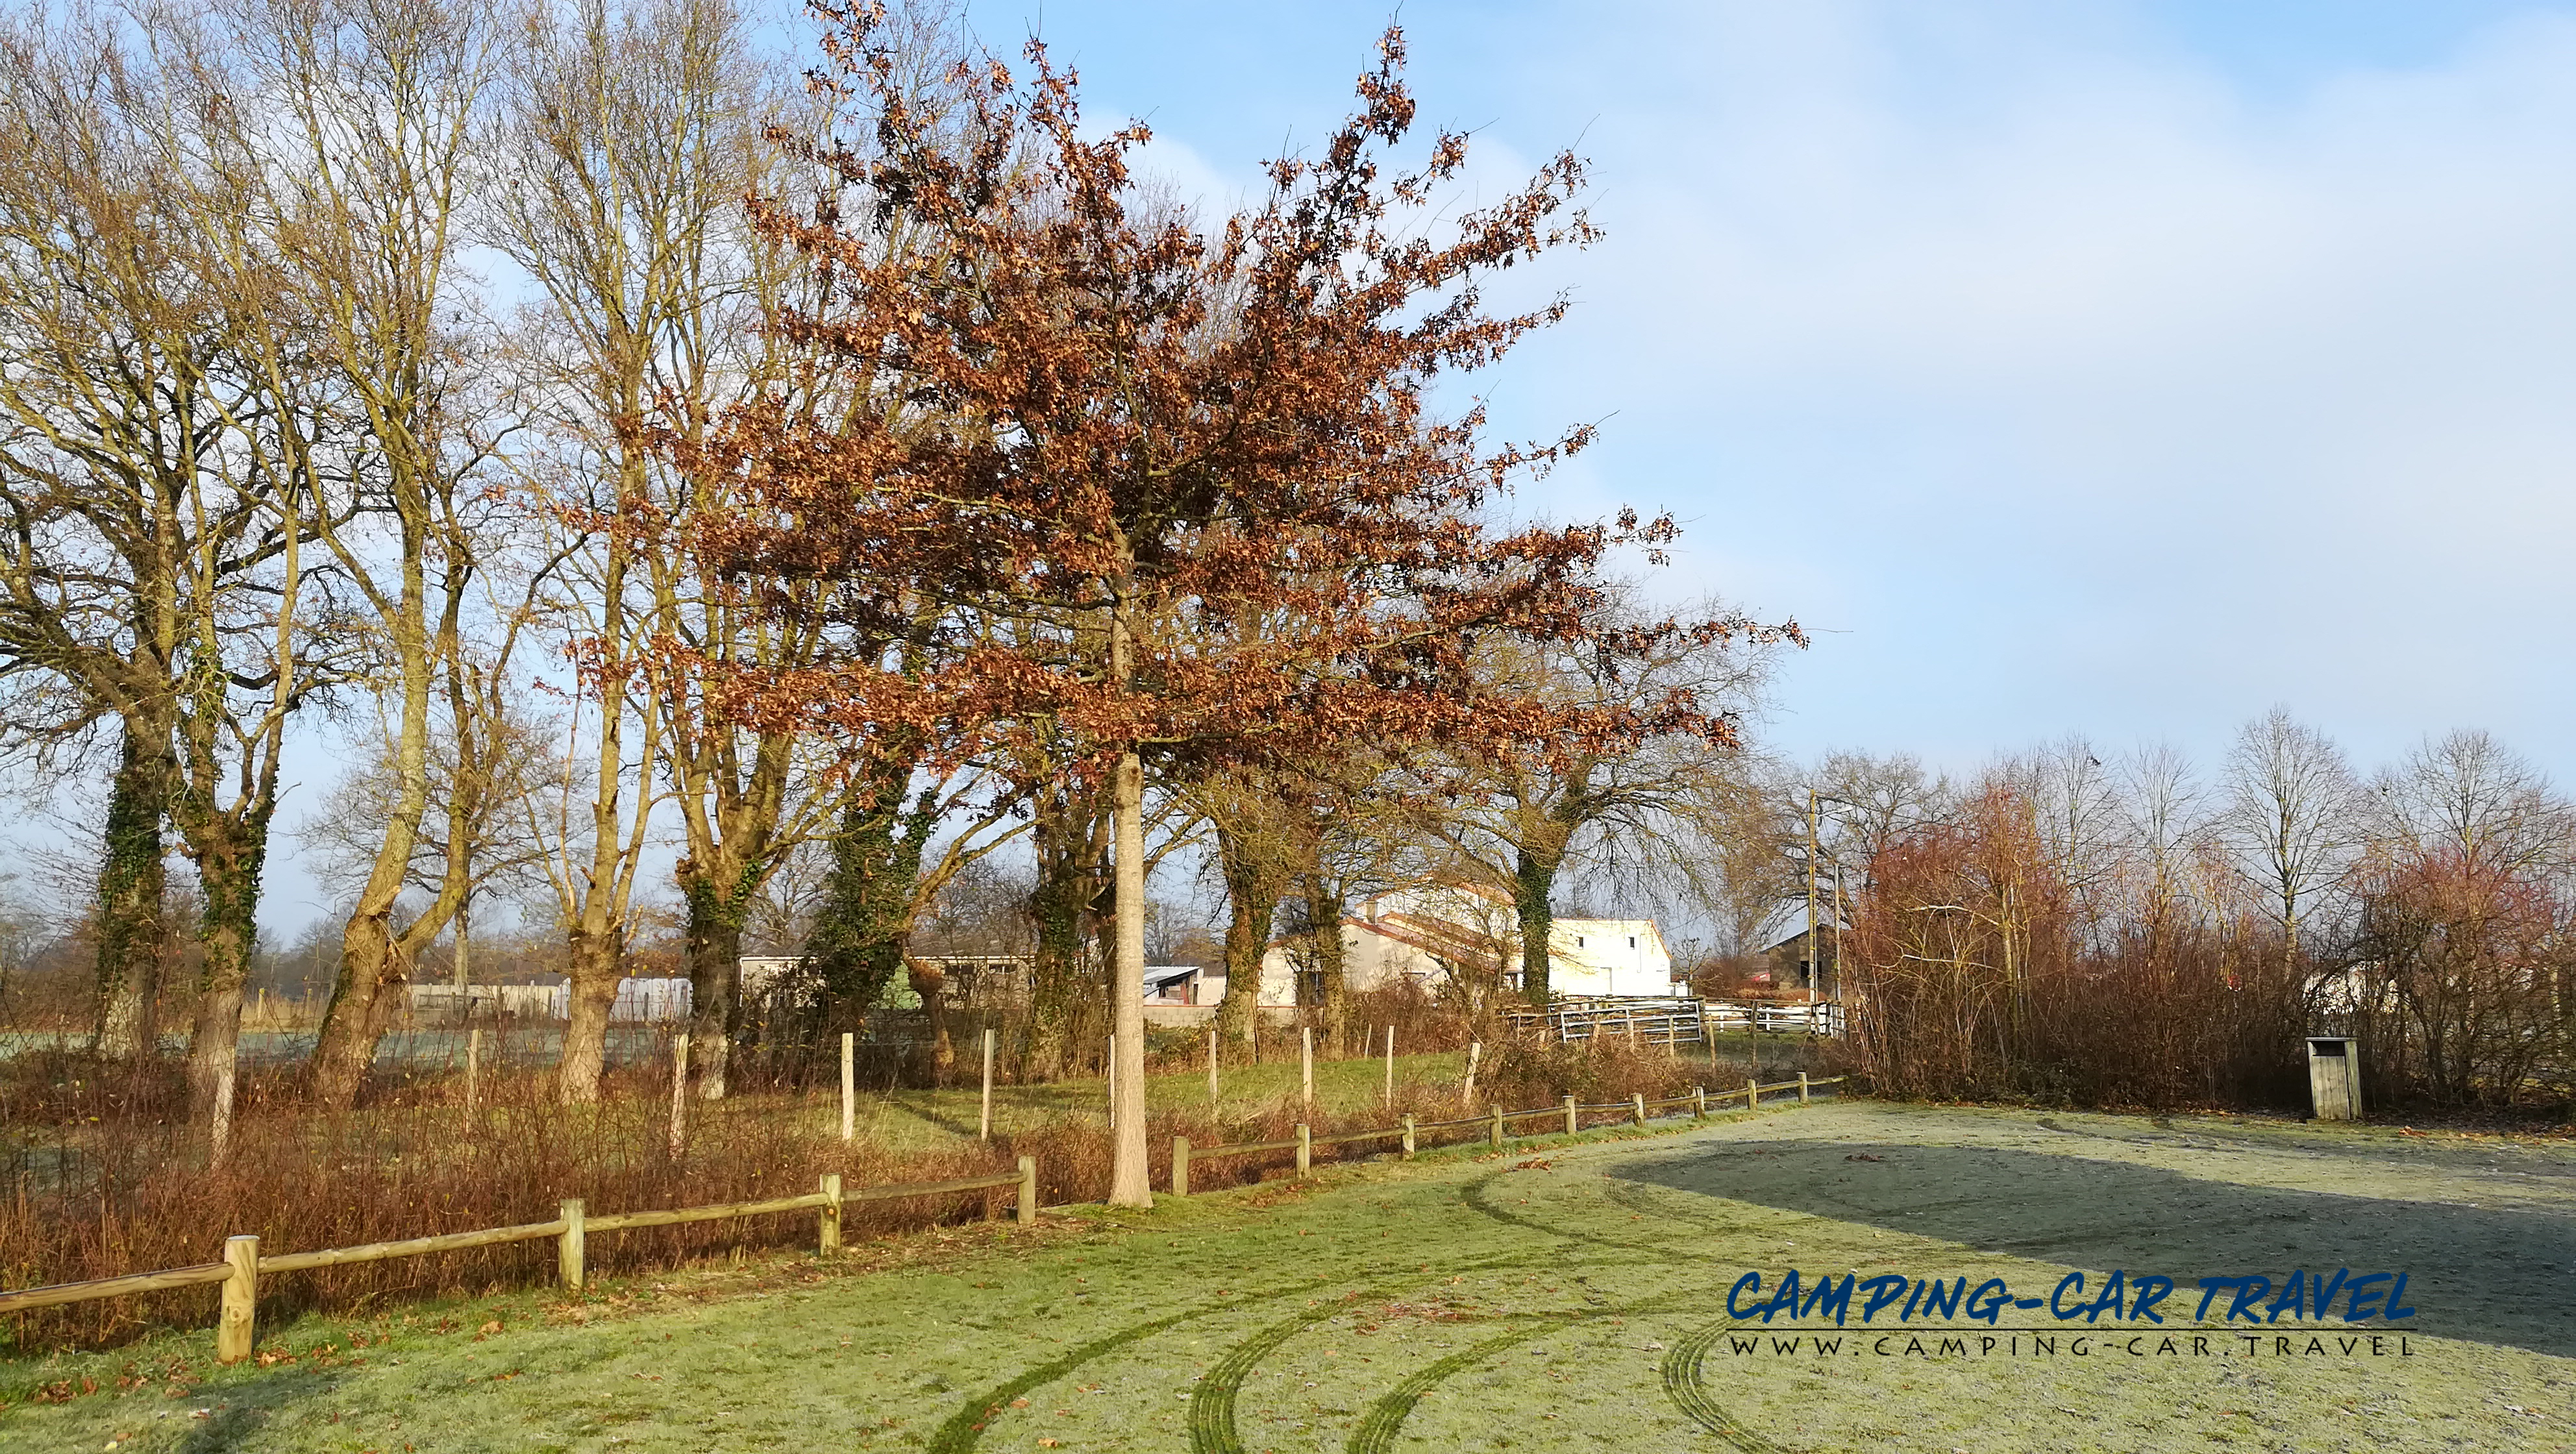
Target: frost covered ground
{"x": 1558, "y": 1297}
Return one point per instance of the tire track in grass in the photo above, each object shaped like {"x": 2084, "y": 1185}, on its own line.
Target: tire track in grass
{"x": 1211, "y": 1415}
{"x": 1477, "y": 1195}
{"x": 1685, "y": 1383}
{"x": 965, "y": 1428}
{"x": 1681, "y": 1371}
{"x": 1212, "y": 1403}
{"x": 1635, "y": 1197}
{"x": 1385, "y": 1418}
{"x": 1211, "y": 1418}
{"x": 1643, "y": 1199}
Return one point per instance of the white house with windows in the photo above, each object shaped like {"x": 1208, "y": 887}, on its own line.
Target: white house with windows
{"x": 1421, "y": 933}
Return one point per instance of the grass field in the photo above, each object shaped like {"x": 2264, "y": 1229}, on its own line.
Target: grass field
{"x": 1555, "y": 1297}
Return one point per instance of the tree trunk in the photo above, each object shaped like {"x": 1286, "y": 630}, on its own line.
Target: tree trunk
{"x": 856, "y": 948}
{"x": 595, "y": 967}
{"x": 1533, "y": 879}
{"x": 465, "y": 957}
{"x": 1252, "y": 900}
{"x": 715, "y": 983}
{"x": 228, "y": 872}
{"x": 931, "y": 984}
{"x": 1064, "y": 835}
{"x": 1324, "y": 921}
{"x": 369, "y": 974}
{"x": 1130, "y": 1179}
{"x": 130, "y": 886}
{"x": 372, "y": 955}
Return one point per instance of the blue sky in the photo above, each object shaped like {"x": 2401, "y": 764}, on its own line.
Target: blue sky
{"x": 2123, "y": 368}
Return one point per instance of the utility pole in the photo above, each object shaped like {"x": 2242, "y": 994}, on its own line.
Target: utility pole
{"x": 1813, "y": 962}
{"x": 1838, "y": 931}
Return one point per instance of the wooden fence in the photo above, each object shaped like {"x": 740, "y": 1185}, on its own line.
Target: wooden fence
{"x": 1496, "y": 1122}
{"x": 243, "y": 1264}
{"x": 1674, "y": 1021}
{"x": 1659, "y": 1021}
{"x": 1824, "y": 1017}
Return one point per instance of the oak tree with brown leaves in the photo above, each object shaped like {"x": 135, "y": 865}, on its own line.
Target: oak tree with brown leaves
{"x": 1202, "y": 472}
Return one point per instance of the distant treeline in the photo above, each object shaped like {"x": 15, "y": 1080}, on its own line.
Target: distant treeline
{"x": 2064, "y": 929}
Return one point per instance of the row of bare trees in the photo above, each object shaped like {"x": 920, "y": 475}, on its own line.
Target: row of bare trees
{"x": 2135, "y": 932}
{"x": 335, "y": 336}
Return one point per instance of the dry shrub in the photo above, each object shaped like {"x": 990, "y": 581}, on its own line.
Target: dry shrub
{"x": 1532, "y": 1073}
{"x": 1974, "y": 970}
{"x": 1421, "y": 1022}
{"x": 132, "y": 1195}
{"x": 130, "y": 1191}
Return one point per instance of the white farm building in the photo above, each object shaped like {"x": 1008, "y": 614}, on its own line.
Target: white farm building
{"x": 1420, "y": 933}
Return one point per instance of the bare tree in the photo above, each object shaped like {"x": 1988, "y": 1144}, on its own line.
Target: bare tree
{"x": 2074, "y": 801}
{"x": 356, "y": 171}
{"x": 164, "y": 463}
{"x": 109, "y": 378}
{"x": 1871, "y": 803}
{"x": 2469, "y": 794}
{"x": 631, "y": 136}
{"x": 1525, "y": 816}
{"x": 2167, "y": 820}
{"x": 1741, "y": 857}
{"x": 485, "y": 768}
{"x": 2291, "y": 820}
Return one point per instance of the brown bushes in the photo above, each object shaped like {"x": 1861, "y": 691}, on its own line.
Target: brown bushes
{"x": 128, "y": 1191}
{"x": 2462, "y": 978}
{"x": 1976, "y": 970}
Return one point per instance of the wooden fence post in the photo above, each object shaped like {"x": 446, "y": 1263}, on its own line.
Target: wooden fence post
{"x": 236, "y": 1328}
{"x": 1390, "y": 1067}
{"x": 1180, "y": 1166}
{"x": 827, "y": 1221}
{"x": 679, "y": 1094}
{"x": 1306, "y": 1069}
{"x": 1305, "y": 1150}
{"x": 1028, "y": 1191}
{"x": 1498, "y": 1128}
{"x": 1699, "y": 1103}
{"x": 568, "y": 1247}
{"x": 1408, "y": 1135}
{"x": 1752, "y": 1095}
{"x": 984, "y": 1121}
{"x": 1638, "y": 1098}
{"x": 849, "y": 1084}
{"x": 1211, "y": 1068}
{"x": 1572, "y": 1124}
{"x": 1802, "y": 1087}
{"x": 473, "y": 1064}
{"x": 1475, "y": 1048}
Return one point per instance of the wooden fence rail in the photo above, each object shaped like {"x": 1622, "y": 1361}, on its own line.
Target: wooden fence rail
{"x": 1635, "y": 1106}
{"x": 243, "y": 1264}
{"x": 1674, "y": 1021}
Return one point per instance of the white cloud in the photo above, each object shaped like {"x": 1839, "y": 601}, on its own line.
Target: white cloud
{"x": 2081, "y": 388}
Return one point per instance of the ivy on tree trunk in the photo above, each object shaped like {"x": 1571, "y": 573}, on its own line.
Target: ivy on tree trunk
{"x": 131, "y": 876}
